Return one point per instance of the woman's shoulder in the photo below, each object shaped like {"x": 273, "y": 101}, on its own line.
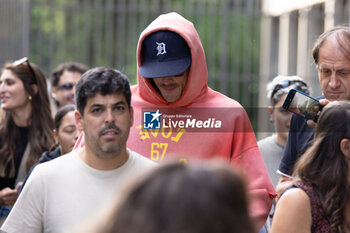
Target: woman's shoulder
{"x": 296, "y": 194}
{"x": 293, "y": 212}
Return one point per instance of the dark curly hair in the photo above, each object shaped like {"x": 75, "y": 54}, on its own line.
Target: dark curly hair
{"x": 103, "y": 81}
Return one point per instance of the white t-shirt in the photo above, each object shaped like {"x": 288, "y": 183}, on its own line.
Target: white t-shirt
{"x": 65, "y": 191}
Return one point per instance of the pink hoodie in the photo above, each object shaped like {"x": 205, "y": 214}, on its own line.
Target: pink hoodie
{"x": 235, "y": 144}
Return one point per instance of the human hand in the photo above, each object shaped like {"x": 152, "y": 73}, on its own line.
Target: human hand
{"x": 313, "y": 124}
{"x": 283, "y": 183}
{"x": 8, "y": 196}
{"x": 19, "y": 186}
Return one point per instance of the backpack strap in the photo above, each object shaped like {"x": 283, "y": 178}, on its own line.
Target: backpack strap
{"x": 22, "y": 172}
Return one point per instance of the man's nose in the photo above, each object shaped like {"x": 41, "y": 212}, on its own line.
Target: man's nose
{"x": 334, "y": 81}
{"x": 109, "y": 116}
{"x": 167, "y": 79}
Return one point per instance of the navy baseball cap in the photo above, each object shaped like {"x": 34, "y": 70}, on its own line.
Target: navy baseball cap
{"x": 164, "y": 53}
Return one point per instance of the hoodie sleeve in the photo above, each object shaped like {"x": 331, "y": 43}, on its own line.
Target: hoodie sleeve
{"x": 246, "y": 155}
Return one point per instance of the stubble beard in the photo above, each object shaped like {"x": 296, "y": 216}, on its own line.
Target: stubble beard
{"x": 107, "y": 150}
{"x": 110, "y": 150}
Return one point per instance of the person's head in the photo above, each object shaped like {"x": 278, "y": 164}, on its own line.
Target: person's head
{"x": 63, "y": 81}
{"x": 277, "y": 90}
{"x": 325, "y": 165}
{"x": 166, "y": 59}
{"x": 23, "y": 91}
{"x": 66, "y": 131}
{"x": 104, "y": 112}
{"x": 20, "y": 83}
{"x": 184, "y": 198}
{"x": 331, "y": 55}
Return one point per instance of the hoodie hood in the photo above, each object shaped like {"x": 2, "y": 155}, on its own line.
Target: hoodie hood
{"x": 50, "y": 155}
{"x": 197, "y": 80}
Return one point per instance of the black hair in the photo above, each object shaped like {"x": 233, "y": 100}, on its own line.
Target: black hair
{"x": 67, "y": 66}
{"x": 101, "y": 80}
{"x": 61, "y": 113}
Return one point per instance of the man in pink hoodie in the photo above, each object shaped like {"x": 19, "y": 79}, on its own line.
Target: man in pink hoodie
{"x": 177, "y": 116}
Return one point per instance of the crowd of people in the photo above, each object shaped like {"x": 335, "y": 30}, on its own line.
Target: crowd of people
{"x": 99, "y": 155}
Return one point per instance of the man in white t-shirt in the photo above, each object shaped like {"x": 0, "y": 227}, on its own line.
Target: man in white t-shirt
{"x": 66, "y": 191}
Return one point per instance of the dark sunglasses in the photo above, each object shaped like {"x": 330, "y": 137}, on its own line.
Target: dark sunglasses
{"x": 283, "y": 84}
{"x": 66, "y": 86}
{"x": 26, "y": 61}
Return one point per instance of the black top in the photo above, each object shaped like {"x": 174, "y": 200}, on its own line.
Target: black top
{"x": 299, "y": 138}
{"x": 19, "y": 151}
{"x": 320, "y": 223}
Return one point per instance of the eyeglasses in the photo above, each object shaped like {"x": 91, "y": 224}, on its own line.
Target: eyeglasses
{"x": 25, "y": 60}
{"x": 284, "y": 84}
{"x": 66, "y": 86}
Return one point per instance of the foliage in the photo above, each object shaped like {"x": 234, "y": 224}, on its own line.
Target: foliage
{"x": 105, "y": 33}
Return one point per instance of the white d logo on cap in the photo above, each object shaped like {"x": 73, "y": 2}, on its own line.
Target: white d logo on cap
{"x": 161, "y": 48}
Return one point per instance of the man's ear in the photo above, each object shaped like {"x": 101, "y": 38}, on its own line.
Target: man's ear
{"x": 79, "y": 120}
{"x": 53, "y": 92}
{"x": 131, "y": 116}
{"x": 55, "y": 136}
{"x": 345, "y": 147}
{"x": 270, "y": 109}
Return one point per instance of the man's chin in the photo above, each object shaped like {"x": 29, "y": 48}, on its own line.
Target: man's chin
{"x": 111, "y": 148}
{"x": 334, "y": 97}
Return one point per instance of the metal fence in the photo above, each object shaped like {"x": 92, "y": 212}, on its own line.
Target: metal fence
{"x": 105, "y": 33}
{"x": 14, "y": 29}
